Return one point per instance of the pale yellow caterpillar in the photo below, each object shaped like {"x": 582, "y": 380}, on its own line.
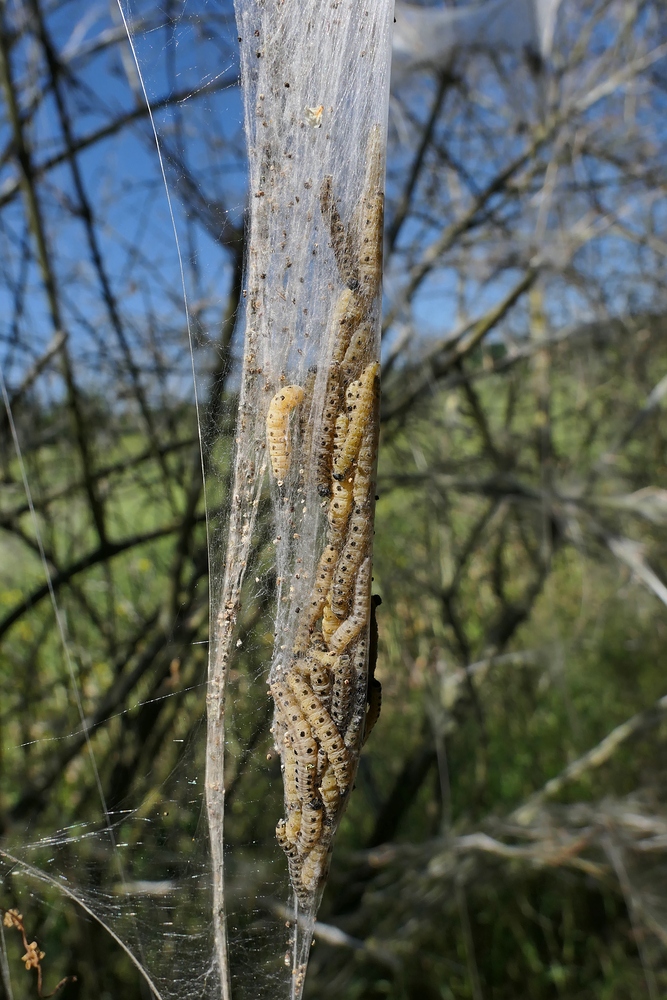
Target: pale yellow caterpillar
{"x": 293, "y": 860}
{"x": 277, "y": 428}
{"x": 320, "y": 654}
{"x": 360, "y": 407}
{"x": 349, "y": 311}
{"x": 341, "y": 692}
{"x": 293, "y": 824}
{"x": 313, "y": 610}
{"x": 318, "y": 668}
{"x": 357, "y": 354}
{"x": 305, "y": 753}
{"x": 340, "y": 506}
{"x": 332, "y": 405}
{"x": 330, "y": 623}
{"x": 353, "y": 625}
{"x": 356, "y": 546}
{"x": 288, "y": 713}
{"x": 292, "y": 800}
{"x": 314, "y": 869}
{"x": 305, "y": 416}
{"x": 364, "y": 476}
{"x": 340, "y": 434}
{"x": 311, "y": 826}
{"x": 288, "y": 846}
{"x": 329, "y": 792}
{"x": 372, "y": 220}
{"x": 320, "y": 681}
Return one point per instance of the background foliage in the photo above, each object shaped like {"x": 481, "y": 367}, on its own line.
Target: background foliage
{"x": 507, "y": 835}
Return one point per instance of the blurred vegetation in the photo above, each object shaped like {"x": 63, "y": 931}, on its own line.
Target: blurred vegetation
{"x": 511, "y": 643}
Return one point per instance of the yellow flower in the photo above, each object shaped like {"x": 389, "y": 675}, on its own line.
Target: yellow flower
{"x": 13, "y": 918}
{"x": 33, "y": 956}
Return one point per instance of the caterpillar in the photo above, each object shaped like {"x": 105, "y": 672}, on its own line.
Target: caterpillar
{"x": 311, "y": 826}
{"x": 288, "y": 845}
{"x": 364, "y": 476}
{"x": 354, "y": 551}
{"x": 293, "y": 824}
{"x": 329, "y": 792}
{"x": 330, "y": 623}
{"x": 277, "y": 428}
{"x": 353, "y": 625}
{"x": 361, "y": 396}
{"x": 372, "y": 220}
{"x": 291, "y": 791}
{"x": 340, "y": 434}
{"x": 341, "y": 692}
{"x": 320, "y": 681}
{"x": 363, "y": 683}
{"x": 340, "y": 506}
{"x": 341, "y": 236}
{"x": 313, "y": 610}
{"x": 331, "y": 408}
{"x": 305, "y": 753}
{"x": 357, "y": 353}
{"x": 313, "y": 870}
{"x": 359, "y": 689}
{"x": 305, "y": 411}
{"x": 292, "y": 800}
{"x": 349, "y": 312}
{"x": 323, "y": 726}
{"x": 294, "y": 863}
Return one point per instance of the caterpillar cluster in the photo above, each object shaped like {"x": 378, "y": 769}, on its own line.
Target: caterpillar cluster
{"x": 325, "y": 703}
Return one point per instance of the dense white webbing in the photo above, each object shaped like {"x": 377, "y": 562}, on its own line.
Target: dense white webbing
{"x": 315, "y": 81}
